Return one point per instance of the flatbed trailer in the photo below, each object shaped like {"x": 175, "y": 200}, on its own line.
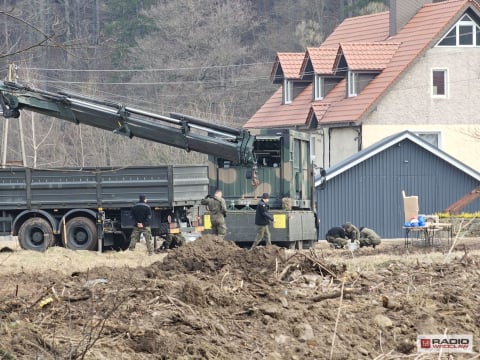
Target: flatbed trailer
{"x": 75, "y": 207}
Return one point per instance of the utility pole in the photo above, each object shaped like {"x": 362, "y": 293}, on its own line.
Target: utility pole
{"x": 12, "y": 77}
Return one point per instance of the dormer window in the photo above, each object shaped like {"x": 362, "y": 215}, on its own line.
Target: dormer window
{"x": 353, "y": 83}
{"x": 287, "y": 91}
{"x": 466, "y": 32}
{"x": 318, "y": 87}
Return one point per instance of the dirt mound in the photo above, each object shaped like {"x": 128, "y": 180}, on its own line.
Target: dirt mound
{"x": 209, "y": 255}
{"x": 213, "y": 300}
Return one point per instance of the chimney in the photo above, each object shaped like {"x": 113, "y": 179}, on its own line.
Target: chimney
{"x": 401, "y": 11}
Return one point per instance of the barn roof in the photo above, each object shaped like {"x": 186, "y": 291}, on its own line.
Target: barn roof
{"x": 388, "y": 142}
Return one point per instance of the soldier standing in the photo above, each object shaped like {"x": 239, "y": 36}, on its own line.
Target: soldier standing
{"x": 142, "y": 216}
{"x": 218, "y": 211}
{"x": 262, "y": 220}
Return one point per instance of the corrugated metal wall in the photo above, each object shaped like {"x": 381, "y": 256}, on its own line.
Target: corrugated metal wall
{"x": 370, "y": 194}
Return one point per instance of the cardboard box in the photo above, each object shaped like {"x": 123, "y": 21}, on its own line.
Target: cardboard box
{"x": 410, "y": 206}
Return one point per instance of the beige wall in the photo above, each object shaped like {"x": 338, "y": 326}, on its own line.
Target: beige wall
{"x": 333, "y": 145}
{"x": 409, "y": 105}
{"x": 458, "y": 141}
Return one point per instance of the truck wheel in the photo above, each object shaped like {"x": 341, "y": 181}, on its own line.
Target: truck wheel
{"x": 34, "y": 232}
{"x": 81, "y": 234}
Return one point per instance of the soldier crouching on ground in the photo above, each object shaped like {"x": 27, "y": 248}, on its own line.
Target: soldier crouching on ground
{"x": 352, "y": 232}
{"x": 369, "y": 237}
{"x": 337, "y": 237}
{"x": 173, "y": 241}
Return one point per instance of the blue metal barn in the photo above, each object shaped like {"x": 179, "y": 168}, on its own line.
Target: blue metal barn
{"x": 366, "y": 188}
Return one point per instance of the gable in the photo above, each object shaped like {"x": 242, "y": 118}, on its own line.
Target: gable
{"x": 380, "y": 64}
{"x": 366, "y": 188}
{"x": 465, "y": 33}
{"x": 394, "y": 141}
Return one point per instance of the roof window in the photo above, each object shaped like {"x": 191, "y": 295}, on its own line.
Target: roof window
{"x": 465, "y": 32}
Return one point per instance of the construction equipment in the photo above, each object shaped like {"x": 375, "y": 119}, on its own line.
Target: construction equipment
{"x": 463, "y": 201}
{"x": 243, "y": 163}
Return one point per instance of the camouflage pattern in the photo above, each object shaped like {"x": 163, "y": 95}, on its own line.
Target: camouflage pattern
{"x": 173, "y": 241}
{"x": 283, "y": 170}
{"x": 369, "y": 237}
{"x": 337, "y": 242}
{"x": 337, "y": 237}
{"x": 135, "y": 237}
{"x": 218, "y": 210}
{"x": 352, "y": 231}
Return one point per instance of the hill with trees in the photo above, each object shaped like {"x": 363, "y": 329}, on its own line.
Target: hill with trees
{"x": 207, "y": 58}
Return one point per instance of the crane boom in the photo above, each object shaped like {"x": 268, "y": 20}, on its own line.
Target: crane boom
{"x": 177, "y": 130}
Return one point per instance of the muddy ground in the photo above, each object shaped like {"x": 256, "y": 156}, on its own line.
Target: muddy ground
{"x": 213, "y": 300}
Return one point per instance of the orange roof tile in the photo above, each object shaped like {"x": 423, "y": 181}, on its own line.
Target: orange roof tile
{"x": 419, "y": 34}
{"x": 319, "y": 110}
{"x": 415, "y": 37}
{"x": 322, "y": 59}
{"x": 275, "y": 114}
{"x": 287, "y": 66}
{"x": 368, "y": 56}
{"x": 368, "y": 28}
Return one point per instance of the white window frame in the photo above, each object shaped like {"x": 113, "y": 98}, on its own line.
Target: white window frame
{"x": 466, "y": 21}
{"x": 287, "y": 91}
{"x": 318, "y": 87}
{"x": 353, "y": 85}
{"x": 445, "y": 79}
{"x": 423, "y": 134}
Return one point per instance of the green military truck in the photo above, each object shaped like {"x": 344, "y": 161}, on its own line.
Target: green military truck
{"x": 243, "y": 163}
{"x": 282, "y": 169}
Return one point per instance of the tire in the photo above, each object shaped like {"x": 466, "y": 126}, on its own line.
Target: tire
{"x": 34, "y": 233}
{"x": 81, "y": 234}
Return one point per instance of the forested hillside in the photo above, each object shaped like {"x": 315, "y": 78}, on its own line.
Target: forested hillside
{"x": 207, "y": 58}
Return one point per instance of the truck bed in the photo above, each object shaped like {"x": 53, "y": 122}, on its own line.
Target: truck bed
{"x": 164, "y": 186}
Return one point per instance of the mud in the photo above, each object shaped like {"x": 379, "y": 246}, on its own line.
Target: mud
{"x": 213, "y": 300}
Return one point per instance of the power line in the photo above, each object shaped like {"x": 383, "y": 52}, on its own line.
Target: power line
{"x": 147, "y": 70}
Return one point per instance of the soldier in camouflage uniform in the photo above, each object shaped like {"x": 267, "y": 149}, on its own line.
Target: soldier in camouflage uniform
{"x": 172, "y": 241}
{"x": 337, "y": 237}
{"x": 352, "y": 232}
{"x": 369, "y": 237}
{"x": 142, "y": 216}
{"x": 218, "y": 211}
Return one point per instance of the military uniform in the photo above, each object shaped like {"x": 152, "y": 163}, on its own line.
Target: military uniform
{"x": 368, "y": 237}
{"x": 218, "y": 210}
{"x": 352, "y": 232}
{"x": 173, "y": 241}
{"x": 142, "y": 216}
{"x": 262, "y": 220}
{"x": 337, "y": 237}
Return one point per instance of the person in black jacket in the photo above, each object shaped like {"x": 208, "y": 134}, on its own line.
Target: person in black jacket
{"x": 142, "y": 217}
{"x": 262, "y": 220}
{"x": 337, "y": 236}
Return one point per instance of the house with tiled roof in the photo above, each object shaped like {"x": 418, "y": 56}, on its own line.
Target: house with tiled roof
{"x": 415, "y": 67}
